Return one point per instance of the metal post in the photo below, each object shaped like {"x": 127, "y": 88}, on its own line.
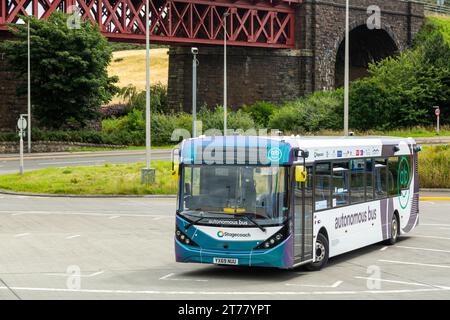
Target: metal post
{"x": 347, "y": 67}
{"x": 194, "y": 92}
{"x": 225, "y": 74}
{"x": 21, "y": 152}
{"x": 147, "y": 87}
{"x": 147, "y": 174}
{"x": 29, "y": 90}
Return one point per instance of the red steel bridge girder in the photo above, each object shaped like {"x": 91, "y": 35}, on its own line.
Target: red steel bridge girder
{"x": 264, "y": 23}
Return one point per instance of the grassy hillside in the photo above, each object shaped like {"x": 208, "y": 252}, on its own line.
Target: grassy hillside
{"x": 129, "y": 66}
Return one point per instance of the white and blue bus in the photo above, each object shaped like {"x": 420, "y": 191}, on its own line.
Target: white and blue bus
{"x": 288, "y": 201}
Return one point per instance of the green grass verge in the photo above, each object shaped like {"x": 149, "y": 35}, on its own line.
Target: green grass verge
{"x": 124, "y": 179}
{"x": 108, "y": 179}
{"x": 434, "y": 167}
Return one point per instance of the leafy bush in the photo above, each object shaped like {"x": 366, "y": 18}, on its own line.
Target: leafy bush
{"x": 402, "y": 91}
{"x": 136, "y": 99}
{"x": 260, "y": 112}
{"x": 320, "y": 110}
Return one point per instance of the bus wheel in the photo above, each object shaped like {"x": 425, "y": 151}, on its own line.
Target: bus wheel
{"x": 394, "y": 231}
{"x": 322, "y": 252}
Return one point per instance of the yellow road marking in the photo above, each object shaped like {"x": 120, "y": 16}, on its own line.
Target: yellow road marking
{"x": 434, "y": 198}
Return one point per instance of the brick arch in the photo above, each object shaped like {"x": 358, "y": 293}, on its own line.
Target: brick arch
{"x": 391, "y": 46}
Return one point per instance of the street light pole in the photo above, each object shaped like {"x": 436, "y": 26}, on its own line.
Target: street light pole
{"x": 347, "y": 68}
{"x": 194, "y": 91}
{"x": 225, "y": 15}
{"x": 147, "y": 87}
{"x": 147, "y": 174}
{"x": 29, "y": 88}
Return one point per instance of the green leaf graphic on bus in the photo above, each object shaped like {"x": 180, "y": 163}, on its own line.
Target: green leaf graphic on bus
{"x": 404, "y": 177}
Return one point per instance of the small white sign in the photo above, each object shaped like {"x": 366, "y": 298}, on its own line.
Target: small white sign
{"x": 438, "y": 112}
{"x": 22, "y": 124}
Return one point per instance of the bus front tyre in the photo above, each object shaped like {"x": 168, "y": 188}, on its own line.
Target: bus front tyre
{"x": 322, "y": 253}
{"x": 394, "y": 231}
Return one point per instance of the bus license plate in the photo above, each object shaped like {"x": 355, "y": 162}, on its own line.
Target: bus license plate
{"x": 229, "y": 261}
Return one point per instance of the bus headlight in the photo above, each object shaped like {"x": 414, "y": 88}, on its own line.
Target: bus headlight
{"x": 275, "y": 240}
{"x": 184, "y": 238}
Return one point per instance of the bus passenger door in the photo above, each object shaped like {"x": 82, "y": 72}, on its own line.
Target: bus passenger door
{"x": 303, "y": 219}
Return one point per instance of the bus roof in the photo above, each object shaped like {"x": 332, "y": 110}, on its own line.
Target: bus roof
{"x": 279, "y": 150}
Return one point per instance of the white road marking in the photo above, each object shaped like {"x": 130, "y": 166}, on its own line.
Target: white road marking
{"x": 81, "y": 276}
{"x": 395, "y": 281}
{"x": 427, "y": 202}
{"x": 431, "y": 237}
{"x": 169, "y": 277}
{"x": 105, "y": 214}
{"x": 69, "y": 162}
{"x": 334, "y": 285}
{"x": 114, "y": 217}
{"x": 74, "y": 236}
{"x": 384, "y": 248}
{"x": 444, "y": 228}
{"x": 435, "y": 224}
{"x": 416, "y": 264}
{"x": 424, "y": 249}
{"x": 21, "y": 235}
{"x": 231, "y": 293}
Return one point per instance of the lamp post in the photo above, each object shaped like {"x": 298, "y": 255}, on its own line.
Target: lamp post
{"x": 29, "y": 87}
{"x": 225, "y": 115}
{"x": 347, "y": 67}
{"x": 194, "y": 91}
{"x": 147, "y": 174}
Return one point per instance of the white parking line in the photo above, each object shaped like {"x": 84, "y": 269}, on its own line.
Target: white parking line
{"x": 74, "y": 236}
{"x": 81, "y": 276}
{"x": 169, "y": 277}
{"x": 21, "y": 235}
{"x": 114, "y": 217}
{"x": 424, "y": 249}
{"x": 96, "y": 214}
{"x": 430, "y": 237}
{"x": 334, "y": 285}
{"x": 384, "y": 248}
{"x": 225, "y": 293}
{"x": 435, "y": 224}
{"x": 416, "y": 264}
{"x": 395, "y": 281}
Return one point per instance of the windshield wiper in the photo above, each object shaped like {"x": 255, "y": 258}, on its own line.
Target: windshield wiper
{"x": 255, "y": 223}
{"x": 190, "y": 224}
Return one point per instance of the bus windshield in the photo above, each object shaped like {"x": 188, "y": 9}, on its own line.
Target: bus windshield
{"x": 254, "y": 192}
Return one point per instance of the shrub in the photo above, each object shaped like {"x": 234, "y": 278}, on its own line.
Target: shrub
{"x": 320, "y": 110}
{"x": 434, "y": 167}
{"x": 260, "y": 112}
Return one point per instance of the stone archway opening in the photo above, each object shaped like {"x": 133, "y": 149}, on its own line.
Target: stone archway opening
{"x": 366, "y": 46}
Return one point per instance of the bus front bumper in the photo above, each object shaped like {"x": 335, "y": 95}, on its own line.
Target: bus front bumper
{"x": 278, "y": 257}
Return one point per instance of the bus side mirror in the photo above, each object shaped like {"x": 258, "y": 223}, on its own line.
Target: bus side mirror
{"x": 300, "y": 174}
{"x": 175, "y": 170}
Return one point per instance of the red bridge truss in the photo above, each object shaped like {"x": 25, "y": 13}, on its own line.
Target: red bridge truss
{"x": 263, "y": 23}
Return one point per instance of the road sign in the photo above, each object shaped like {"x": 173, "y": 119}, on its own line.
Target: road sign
{"x": 22, "y": 123}
{"x": 438, "y": 112}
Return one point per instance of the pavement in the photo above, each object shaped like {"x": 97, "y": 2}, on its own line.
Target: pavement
{"x": 123, "y": 248}
{"x": 9, "y": 163}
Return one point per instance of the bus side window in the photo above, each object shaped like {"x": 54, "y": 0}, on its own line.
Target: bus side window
{"x": 357, "y": 180}
{"x": 380, "y": 173}
{"x": 322, "y": 181}
{"x": 393, "y": 176}
{"x": 340, "y": 186}
{"x": 369, "y": 179}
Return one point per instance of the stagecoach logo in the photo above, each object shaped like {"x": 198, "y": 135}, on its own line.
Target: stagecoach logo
{"x": 222, "y": 234}
{"x": 275, "y": 154}
{"x": 403, "y": 180}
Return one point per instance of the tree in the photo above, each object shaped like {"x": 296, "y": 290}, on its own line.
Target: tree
{"x": 69, "y": 79}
